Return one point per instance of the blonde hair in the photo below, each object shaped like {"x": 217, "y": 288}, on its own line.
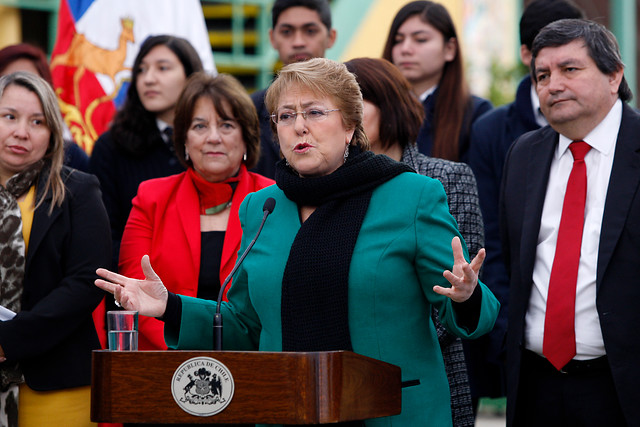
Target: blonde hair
{"x": 323, "y": 77}
{"x": 54, "y": 156}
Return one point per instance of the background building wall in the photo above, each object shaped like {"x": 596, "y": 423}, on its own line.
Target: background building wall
{"x": 488, "y": 31}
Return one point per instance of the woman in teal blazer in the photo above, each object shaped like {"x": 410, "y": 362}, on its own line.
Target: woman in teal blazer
{"x": 352, "y": 257}
{"x": 396, "y": 262}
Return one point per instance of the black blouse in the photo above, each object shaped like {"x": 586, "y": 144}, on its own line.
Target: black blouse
{"x": 210, "y": 256}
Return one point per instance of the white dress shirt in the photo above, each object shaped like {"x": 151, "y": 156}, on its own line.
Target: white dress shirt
{"x": 424, "y": 95}
{"x": 599, "y": 161}
{"x": 162, "y": 127}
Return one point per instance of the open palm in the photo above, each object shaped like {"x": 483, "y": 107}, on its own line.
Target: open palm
{"x": 148, "y": 297}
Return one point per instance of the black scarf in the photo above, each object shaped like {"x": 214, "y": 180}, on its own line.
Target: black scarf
{"x": 315, "y": 283}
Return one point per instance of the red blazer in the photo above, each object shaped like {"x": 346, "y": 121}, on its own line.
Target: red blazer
{"x": 165, "y": 224}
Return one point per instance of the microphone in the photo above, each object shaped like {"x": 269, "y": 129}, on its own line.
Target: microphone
{"x": 267, "y": 208}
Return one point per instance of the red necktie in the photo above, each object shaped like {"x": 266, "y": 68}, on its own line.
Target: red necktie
{"x": 559, "y": 344}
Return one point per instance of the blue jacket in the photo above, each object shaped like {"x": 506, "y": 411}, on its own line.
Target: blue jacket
{"x": 75, "y": 157}
{"x": 491, "y": 136}
{"x": 479, "y": 106}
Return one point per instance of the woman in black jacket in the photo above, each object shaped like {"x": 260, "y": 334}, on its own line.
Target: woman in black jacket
{"x": 54, "y": 232}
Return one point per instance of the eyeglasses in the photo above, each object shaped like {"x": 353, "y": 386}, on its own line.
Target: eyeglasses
{"x": 288, "y": 117}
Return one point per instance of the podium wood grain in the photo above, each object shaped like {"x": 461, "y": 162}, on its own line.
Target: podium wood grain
{"x": 270, "y": 387}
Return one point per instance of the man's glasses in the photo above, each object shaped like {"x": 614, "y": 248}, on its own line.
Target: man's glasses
{"x": 288, "y": 117}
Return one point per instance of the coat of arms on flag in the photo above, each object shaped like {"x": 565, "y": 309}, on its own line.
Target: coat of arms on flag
{"x": 95, "y": 48}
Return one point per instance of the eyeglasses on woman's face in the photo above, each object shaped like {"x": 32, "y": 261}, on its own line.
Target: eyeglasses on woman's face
{"x": 288, "y": 117}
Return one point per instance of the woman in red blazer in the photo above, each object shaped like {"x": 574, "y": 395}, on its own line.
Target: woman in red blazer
{"x": 191, "y": 219}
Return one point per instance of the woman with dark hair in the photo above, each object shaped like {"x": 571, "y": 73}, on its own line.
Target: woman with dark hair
{"x": 55, "y": 232}
{"x": 424, "y": 45}
{"x": 138, "y": 146}
{"x": 188, "y": 223}
{"x": 392, "y": 119}
{"x": 26, "y": 57}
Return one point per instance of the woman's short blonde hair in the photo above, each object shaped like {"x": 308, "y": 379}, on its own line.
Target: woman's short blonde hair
{"x": 54, "y": 156}
{"x": 326, "y": 78}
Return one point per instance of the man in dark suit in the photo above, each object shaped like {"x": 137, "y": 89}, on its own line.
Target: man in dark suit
{"x": 301, "y": 30}
{"x": 573, "y": 340}
{"x": 491, "y": 136}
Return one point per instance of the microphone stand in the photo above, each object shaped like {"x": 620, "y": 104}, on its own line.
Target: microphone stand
{"x": 268, "y": 207}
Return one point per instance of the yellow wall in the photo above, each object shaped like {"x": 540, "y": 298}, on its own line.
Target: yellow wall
{"x": 10, "y": 32}
{"x": 370, "y": 37}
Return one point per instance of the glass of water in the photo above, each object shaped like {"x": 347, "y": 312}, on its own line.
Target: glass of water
{"x": 123, "y": 330}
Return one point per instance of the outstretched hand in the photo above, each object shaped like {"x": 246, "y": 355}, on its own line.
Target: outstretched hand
{"x": 464, "y": 277}
{"x": 148, "y": 297}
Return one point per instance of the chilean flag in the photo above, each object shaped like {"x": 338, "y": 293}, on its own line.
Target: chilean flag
{"x": 96, "y": 45}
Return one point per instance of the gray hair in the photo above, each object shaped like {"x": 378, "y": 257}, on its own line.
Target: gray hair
{"x": 601, "y": 45}
{"x": 328, "y": 78}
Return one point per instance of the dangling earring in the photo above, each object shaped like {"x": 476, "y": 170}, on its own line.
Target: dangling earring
{"x": 244, "y": 157}
{"x": 186, "y": 155}
{"x": 346, "y": 153}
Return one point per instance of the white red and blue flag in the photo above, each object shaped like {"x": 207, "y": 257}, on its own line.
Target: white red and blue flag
{"x": 96, "y": 45}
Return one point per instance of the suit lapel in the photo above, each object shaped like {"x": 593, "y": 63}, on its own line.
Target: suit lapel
{"x": 623, "y": 186}
{"x": 42, "y": 221}
{"x": 186, "y": 203}
{"x": 234, "y": 229}
{"x": 540, "y": 156}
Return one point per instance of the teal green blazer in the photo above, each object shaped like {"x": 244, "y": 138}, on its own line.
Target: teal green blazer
{"x": 403, "y": 247}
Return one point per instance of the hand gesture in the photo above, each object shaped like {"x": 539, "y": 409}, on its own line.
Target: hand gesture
{"x": 464, "y": 276}
{"x": 148, "y": 297}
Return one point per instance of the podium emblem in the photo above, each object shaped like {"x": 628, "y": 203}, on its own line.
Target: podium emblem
{"x": 202, "y": 386}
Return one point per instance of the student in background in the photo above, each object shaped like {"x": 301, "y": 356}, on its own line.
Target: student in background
{"x": 424, "y": 45}
{"x": 301, "y": 30}
{"x": 139, "y": 144}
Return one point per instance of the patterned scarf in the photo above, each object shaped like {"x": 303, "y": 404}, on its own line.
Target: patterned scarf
{"x": 214, "y": 196}
{"x": 12, "y": 266}
{"x": 316, "y": 277}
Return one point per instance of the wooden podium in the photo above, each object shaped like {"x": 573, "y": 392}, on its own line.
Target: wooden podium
{"x": 268, "y": 387}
